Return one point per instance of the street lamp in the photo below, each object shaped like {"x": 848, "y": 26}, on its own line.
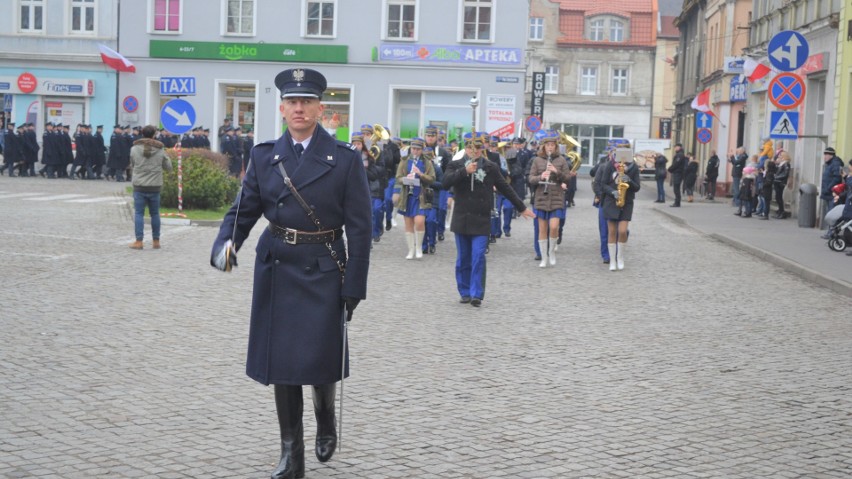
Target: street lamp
{"x": 474, "y": 102}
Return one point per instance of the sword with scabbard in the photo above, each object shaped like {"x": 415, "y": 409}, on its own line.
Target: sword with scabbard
{"x": 346, "y": 317}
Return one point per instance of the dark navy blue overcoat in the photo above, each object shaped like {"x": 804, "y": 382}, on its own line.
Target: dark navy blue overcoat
{"x": 296, "y": 333}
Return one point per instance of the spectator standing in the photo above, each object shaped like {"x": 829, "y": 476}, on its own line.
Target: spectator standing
{"x": 660, "y": 177}
{"x": 690, "y": 176}
{"x": 782, "y": 176}
{"x": 831, "y": 175}
{"x": 677, "y": 169}
{"x": 148, "y": 160}
{"x": 711, "y": 173}
{"x": 738, "y": 162}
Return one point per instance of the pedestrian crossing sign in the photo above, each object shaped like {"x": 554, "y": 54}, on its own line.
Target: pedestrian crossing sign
{"x": 784, "y": 125}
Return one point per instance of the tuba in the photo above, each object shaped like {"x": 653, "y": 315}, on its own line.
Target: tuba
{"x": 621, "y": 185}
{"x": 570, "y": 143}
{"x": 379, "y": 134}
{"x": 576, "y": 160}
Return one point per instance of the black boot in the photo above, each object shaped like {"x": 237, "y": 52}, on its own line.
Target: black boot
{"x": 324, "y": 411}
{"x": 288, "y": 403}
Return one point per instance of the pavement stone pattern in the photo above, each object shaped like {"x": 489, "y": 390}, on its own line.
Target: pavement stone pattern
{"x": 696, "y": 361}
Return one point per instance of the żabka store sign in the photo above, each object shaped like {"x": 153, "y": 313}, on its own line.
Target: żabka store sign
{"x": 27, "y": 83}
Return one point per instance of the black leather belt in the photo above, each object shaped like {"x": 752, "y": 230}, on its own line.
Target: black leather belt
{"x": 291, "y": 236}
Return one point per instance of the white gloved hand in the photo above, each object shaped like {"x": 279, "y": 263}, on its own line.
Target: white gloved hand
{"x": 226, "y": 258}
{"x": 615, "y": 194}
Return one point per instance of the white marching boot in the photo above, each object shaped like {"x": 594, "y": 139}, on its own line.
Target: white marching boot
{"x": 409, "y": 240}
{"x": 542, "y": 246}
{"x": 551, "y": 253}
{"x": 418, "y": 244}
{"x": 620, "y": 255}
{"x": 611, "y": 248}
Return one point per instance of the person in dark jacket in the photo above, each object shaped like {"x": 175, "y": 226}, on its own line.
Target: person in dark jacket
{"x": 115, "y": 162}
{"x": 473, "y": 179}
{"x": 301, "y": 297}
{"x": 31, "y": 149}
{"x": 690, "y": 176}
{"x": 660, "y": 177}
{"x": 677, "y": 169}
{"x": 603, "y": 230}
{"x": 738, "y": 162}
{"x": 780, "y": 183}
{"x": 746, "y": 192}
{"x": 711, "y": 174}
{"x": 100, "y": 152}
{"x": 12, "y": 150}
{"x": 766, "y": 188}
{"x": 831, "y": 175}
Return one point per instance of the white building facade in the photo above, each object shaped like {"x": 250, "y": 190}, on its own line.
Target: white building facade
{"x": 404, "y": 64}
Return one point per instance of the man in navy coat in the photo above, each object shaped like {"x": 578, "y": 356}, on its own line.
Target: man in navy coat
{"x": 300, "y": 295}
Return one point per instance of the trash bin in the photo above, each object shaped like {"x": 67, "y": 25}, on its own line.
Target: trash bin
{"x": 807, "y": 205}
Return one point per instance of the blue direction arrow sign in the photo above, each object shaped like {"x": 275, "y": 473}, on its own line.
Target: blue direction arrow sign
{"x": 177, "y": 116}
{"x": 177, "y": 86}
{"x": 703, "y": 120}
{"x": 784, "y": 125}
{"x": 788, "y": 50}
{"x": 704, "y": 135}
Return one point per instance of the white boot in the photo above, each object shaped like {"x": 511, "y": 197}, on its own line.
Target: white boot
{"x": 542, "y": 246}
{"x": 418, "y": 244}
{"x": 409, "y": 240}
{"x": 620, "y": 255}
{"x": 611, "y": 248}
{"x": 551, "y": 253}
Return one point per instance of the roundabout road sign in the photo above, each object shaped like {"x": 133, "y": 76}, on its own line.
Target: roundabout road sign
{"x": 787, "y": 91}
{"x": 704, "y": 135}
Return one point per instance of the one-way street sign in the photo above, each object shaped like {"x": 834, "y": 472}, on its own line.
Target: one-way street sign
{"x": 177, "y": 86}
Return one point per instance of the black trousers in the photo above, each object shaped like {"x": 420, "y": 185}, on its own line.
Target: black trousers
{"x": 779, "y": 196}
{"x": 677, "y": 181}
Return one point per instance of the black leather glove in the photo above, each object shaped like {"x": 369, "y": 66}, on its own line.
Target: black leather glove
{"x": 350, "y": 303}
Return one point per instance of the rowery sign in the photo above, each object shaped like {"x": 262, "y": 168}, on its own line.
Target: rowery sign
{"x": 29, "y": 84}
{"x": 537, "y": 100}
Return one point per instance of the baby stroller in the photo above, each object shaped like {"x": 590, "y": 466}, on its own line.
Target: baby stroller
{"x": 840, "y": 234}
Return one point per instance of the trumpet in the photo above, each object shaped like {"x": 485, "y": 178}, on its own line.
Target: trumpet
{"x": 574, "y": 157}
{"x": 379, "y": 134}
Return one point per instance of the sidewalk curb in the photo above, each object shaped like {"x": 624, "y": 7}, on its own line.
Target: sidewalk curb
{"x": 804, "y": 272}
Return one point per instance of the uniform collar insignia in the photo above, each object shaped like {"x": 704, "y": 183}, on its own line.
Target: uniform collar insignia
{"x": 329, "y": 158}
{"x": 275, "y": 157}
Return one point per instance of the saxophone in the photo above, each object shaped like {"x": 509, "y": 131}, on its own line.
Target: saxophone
{"x": 622, "y": 186}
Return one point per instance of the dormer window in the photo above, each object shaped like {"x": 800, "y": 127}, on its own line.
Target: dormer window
{"x": 606, "y": 29}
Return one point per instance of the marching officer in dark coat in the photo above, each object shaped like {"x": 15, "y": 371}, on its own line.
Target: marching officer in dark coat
{"x": 66, "y": 150}
{"x": 51, "y": 156}
{"x": 12, "y": 151}
{"x": 473, "y": 179}
{"x": 300, "y": 293}
{"x": 99, "y": 148}
{"x": 31, "y": 149}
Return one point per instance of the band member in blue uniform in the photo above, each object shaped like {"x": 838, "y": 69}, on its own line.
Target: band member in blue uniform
{"x": 376, "y": 180}
{"x": 473, "y": 179}
{"x": 617, "y": 217}
{"x": 300, "y": 293}
{"x": 412, "y": 195}
{"x": 431, "y": 238}
{"x": 436, "y": 139}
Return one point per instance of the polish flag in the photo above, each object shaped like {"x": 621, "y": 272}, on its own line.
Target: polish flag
{"x": 701, "y": 102}
{"x": 116, "y": 60}
{"x": 754, "y": 71}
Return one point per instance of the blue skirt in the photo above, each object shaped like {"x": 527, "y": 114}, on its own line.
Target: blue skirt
{"x": 412, "y": 207}
{"x": 546, "y": 215}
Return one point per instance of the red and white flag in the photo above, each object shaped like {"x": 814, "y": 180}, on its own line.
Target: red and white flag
{"x": 754, "y": 71}
{"x": 116, "y": 60}
{"x": 701, "y": 102}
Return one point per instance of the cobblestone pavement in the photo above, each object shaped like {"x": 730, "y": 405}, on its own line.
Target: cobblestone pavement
{"x": 696, "y": 361}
